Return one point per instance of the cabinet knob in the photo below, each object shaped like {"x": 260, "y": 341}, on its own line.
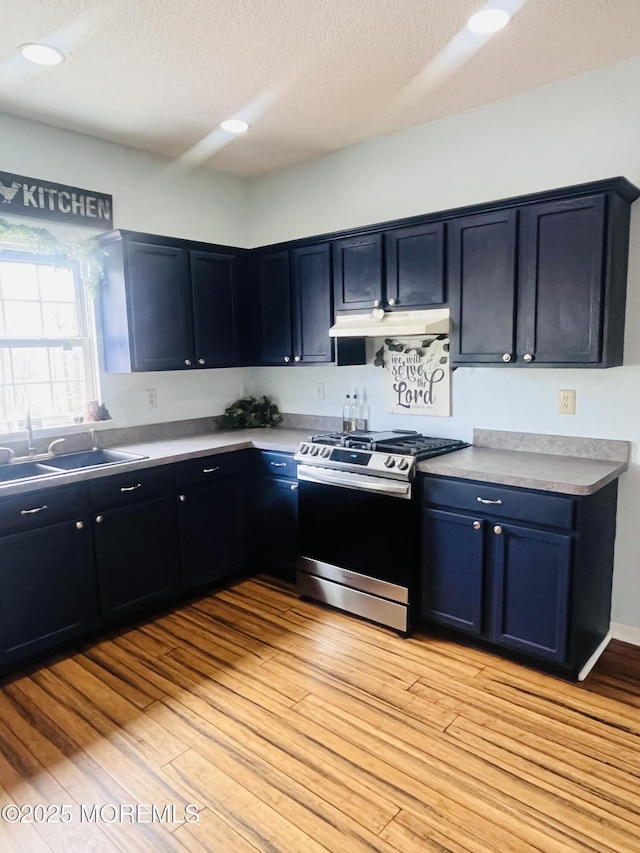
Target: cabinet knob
{"x": 201, "y": 361}
{"x": 477, "y": 525}
{"x": 392, "y": 302}
{"x": 506, "y": 356}
{"x": 287, "y": 359}
{"x": 297, "y": 358}
{"x": 79, "y": 525}
{"x": 99, "y": 519}
{"x": 497, "y": 529}
{"x": 182, "y": 498}
{"x": 294, "y": 487}
{"x": 187, "y": 361}
{"x": 376, "y": 303}
{"x": 527, "y": 357}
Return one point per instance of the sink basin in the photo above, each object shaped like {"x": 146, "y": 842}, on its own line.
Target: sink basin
{"x": 24, "y": 471}
{"x": 91, "y": 458}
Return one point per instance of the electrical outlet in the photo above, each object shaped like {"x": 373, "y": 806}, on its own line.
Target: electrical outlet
{"x": 567, "y": 402}
{"x": 151, "y": 396}
{"x": 319, "y": 390}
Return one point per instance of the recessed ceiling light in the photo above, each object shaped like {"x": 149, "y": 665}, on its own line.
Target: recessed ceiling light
{"x": 41, "y": 54}
{"x": 234, "y": 125}
{"x": 488, "y": 21}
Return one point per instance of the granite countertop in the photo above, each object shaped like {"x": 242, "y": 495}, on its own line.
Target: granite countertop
{"x": 573, "y": 466}
{"x": 166, "y": 451}
{"x": 514, "y": 459}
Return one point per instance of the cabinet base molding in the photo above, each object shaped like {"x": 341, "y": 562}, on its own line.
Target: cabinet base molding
{"x": 595, "y": 657}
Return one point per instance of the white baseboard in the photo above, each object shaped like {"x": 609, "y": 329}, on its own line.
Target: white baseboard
{"x": 593, "y": 660}
{"x": 626, "y": 633}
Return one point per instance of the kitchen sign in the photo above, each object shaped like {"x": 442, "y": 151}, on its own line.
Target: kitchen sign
{"x": 46, "y": 200}
{"x": 417, "y": 375}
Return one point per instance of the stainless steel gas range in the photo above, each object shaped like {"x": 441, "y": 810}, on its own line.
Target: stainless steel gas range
{"x": 358, "y": 528}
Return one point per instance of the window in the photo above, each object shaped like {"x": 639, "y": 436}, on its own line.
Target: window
{"x": 46, "y": 353}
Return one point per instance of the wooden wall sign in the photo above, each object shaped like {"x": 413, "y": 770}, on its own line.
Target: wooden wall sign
{"x": 46, "y": 200}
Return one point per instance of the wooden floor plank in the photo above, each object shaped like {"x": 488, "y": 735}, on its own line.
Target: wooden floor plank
{"x": 294, "y": 727}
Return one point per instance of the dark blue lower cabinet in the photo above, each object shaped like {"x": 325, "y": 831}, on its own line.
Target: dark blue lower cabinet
{"x": 212, "y": 532}
{"x": 47, "y": 589}
{"x": 279, "y": 526}
{"x": 531, "y": 586}
{"x": 453, "y": 570}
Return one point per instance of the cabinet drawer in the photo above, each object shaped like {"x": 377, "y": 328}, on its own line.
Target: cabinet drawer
{"x": 209, "y": 469}
{"x": 130, "y": 488}
{"x": 278, "y": 464}
{"x": 486, "y": 499}
{"x": 35, "y": 509}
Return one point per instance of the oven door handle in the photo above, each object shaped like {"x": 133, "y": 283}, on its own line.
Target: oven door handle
{"x": 379, "y": 485}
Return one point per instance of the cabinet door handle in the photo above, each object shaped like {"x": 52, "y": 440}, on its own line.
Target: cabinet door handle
{"x": 497, "y": 529}
{"x": 297, "y": 358}
{"x": 287, "y": 359}
{"x": 210, "y": 470}
{"x": 278, "y": 464}
{"x": 182, "y": 498}
{"x": 201, "y": 361}
{"x": 485, "y": 501}
{"x": 294, "y": 487}
{"x": 527, "y": 357}
{"x": 99, "y": 519}
{"x": 31, "y": 511}
{"x": 376, "y": 303}
{"x": 79, "y": 525}
{"x": 392, "y": 301}
{"x": 506, "y": 356}
{"x": 187, "y": 361}
{"x": 130, "y": 488}
{"x": 477, "y": 525}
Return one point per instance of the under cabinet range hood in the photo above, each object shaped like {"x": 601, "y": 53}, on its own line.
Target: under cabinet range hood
{"x": 383, "y": 324}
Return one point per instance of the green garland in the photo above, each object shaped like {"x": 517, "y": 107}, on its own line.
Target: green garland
{"x": 42, "y": 242}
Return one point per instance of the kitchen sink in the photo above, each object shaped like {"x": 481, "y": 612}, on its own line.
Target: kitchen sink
{"x": 25, "y": 471}
{"x": 91, "y": 458}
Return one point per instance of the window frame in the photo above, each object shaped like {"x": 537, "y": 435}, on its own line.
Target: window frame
{"x": 85, "y": 340}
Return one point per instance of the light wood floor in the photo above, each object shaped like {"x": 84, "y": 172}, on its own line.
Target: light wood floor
{"x": 295, "y": 728}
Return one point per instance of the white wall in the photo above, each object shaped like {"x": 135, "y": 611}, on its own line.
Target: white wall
{"x": 578, "y": 130}
{"x": 151, "y": 195}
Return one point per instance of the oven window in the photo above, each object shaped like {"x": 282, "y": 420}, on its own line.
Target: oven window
{"x": 374, "y": 535}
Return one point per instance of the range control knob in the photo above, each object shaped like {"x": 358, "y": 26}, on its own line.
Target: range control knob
{"x": 314, "y": 450}
{"x": 304, "y": 449}
{"x": 403, "y": 464}
{"x": 389, "y": 462}
{"x": 326, "y": 451}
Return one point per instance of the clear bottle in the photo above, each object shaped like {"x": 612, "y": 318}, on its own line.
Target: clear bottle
{"x": 346, "y": 414}
{"x": 355, "y": 409}
{"x": 362, "y": 413}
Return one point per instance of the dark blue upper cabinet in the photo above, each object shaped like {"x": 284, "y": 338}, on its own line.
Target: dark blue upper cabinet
{"x": 358, "y": 273}
{"x": 214, "y": 295}
{"x": 159, "y": 299}
{"x": 415, "y": 267}
{"x": 542, "y": 281}
{"x": 482, "y": 287}
{"x": 295, "y": 305}
{"x": 312, "y": 304}
{"x": 561, "y": 281}
{"x": 169, "y": 304}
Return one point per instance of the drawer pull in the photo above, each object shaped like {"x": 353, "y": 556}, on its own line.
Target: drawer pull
{"x": 278, "y": 464}
{"x": 31, "y": 511}
{"x": 210, "y": 470}
{"x": 497, "y": 529}
{"x": 294, "y": 487}
{"x": 130, "y": 488}
{"x": 477, "y": 525}
{"x": 485, "y": 501}
{"x": 79, "y": 525}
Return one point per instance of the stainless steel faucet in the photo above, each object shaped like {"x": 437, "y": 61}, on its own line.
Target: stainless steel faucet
{"x": 52, "y": 447}
{"x": 31, "y": 449}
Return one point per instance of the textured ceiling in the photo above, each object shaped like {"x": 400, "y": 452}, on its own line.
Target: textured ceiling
{"x": 311, "y": 76}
